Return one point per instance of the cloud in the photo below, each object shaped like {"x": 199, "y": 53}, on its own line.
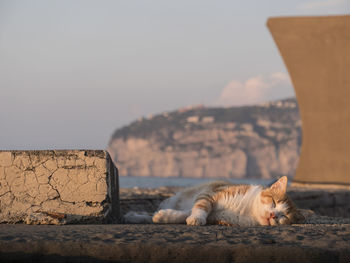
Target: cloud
{"x": 255, "y": 90}
{"x": 322, "y": 4}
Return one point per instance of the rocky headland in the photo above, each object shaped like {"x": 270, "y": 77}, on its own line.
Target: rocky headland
{"x": 261, "y": 141}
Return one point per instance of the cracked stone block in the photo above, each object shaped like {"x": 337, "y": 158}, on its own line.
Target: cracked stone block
{"x": 58, "y": 187}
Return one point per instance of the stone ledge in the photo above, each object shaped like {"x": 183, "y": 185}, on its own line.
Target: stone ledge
{"x": 330, "y": 202}
{"x": 58, "y": 187}
{"x": 175, "y": 243}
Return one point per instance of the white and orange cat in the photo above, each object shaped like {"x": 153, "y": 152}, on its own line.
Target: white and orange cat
{"x": 226, "y": 204}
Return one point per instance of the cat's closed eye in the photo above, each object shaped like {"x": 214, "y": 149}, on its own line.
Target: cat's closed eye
{"x": 273, "y": 203}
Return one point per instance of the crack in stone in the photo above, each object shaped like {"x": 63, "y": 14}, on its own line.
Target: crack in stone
{"x": 5, "y": 193}
{"x": 33, "y": 180}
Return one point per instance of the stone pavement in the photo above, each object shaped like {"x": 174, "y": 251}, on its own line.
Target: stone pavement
{"x": 174, "y": 243}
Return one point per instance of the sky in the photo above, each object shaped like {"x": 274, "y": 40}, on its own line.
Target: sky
{"x": 71, "y": 72}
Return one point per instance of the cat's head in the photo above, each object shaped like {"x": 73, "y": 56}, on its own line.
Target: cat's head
{"x": 275, "y": 207}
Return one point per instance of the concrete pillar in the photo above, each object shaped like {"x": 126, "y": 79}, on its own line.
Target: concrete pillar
{"x": 316, "y": 51}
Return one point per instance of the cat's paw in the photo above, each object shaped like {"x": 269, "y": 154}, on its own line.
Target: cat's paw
{"x": 279, "y": 220}
{"x": 273, "y": 221}
{"x": 195, "y": 221}
{"x": 283, "y": 220}
{"x": 160, "y": 217}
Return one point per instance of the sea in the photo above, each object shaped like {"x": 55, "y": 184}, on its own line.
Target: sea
{"x": 156, "y": 182}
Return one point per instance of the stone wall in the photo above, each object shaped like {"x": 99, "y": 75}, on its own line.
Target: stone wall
{"x": 327, "y": 202}
{"x": 58, "y": 187}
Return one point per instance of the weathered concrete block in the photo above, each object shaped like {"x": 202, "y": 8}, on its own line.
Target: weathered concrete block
{"x": 58, "y": 187}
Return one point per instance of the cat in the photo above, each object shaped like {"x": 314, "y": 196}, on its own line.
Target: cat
{"x": 224, "y": 203}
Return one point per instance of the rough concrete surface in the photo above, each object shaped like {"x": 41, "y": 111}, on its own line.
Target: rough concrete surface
{"x": 57, "y": 187}
{"x": 327, "y": 202}
{"x": 174, "y": 243}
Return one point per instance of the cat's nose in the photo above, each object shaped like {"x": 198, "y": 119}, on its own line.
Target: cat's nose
{"x": 272, "y": 215}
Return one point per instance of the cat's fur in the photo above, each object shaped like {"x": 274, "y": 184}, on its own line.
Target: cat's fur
{"x": 226, "y": 204}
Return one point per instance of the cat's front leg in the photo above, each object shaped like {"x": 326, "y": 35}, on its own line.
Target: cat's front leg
{"x": 198, "y": 218}
{"x": 199, "y": 213}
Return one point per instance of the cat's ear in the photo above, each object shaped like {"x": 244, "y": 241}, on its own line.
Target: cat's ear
{"x": 279, "y": 188}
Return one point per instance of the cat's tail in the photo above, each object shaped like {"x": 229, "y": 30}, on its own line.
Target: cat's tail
{"x": 137, "y": 218}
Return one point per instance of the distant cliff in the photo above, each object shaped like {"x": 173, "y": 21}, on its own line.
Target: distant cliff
{"x": 261, "y": 141}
